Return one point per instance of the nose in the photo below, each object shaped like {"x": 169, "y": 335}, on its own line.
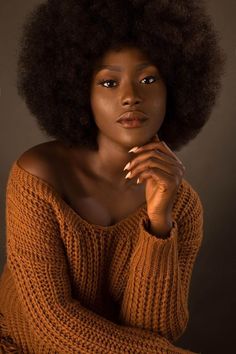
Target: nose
{"x": 130, "y": 95}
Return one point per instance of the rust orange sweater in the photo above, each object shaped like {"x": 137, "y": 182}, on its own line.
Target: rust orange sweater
{"x": 69, "y": 286}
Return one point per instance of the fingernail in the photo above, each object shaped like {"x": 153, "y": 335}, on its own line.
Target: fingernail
{"x": 134, "y": 149}
{"x": 128, "y": 175}
{"x": 126, "y": 166}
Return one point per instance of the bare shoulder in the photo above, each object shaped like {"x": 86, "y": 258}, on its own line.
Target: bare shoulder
{"x": 40, "y": 161}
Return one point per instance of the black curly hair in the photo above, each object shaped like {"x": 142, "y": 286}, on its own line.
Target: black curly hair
{"x": 63, "y": 39}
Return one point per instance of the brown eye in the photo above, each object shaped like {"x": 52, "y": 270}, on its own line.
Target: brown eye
{"x": 147, "y": 77}
{"x": 105, "y": 81}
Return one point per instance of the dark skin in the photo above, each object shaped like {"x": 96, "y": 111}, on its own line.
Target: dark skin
{"x": 158, "y": 169}
{"x": 94, "y": 183}
{"x": 125, "y": 90}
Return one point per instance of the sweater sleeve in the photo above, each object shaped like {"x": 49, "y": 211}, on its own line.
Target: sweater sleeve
{"x": 37, "y": 260}
{"x": 156, "y": 293}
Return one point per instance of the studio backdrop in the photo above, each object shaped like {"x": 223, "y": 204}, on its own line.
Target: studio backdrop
{"x": 210, "y": 168}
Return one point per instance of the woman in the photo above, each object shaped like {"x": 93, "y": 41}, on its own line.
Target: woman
{"x": 102, "y": 228}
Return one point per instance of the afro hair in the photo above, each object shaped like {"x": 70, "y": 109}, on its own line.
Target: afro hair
{"x": 63, "y": 39}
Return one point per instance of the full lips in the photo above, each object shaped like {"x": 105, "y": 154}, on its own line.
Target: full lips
{"x": 133, "y": 118}
{"x": 132, "y": 123}
{"x": 132, "y": 115}
{"x": 136, "y": 118}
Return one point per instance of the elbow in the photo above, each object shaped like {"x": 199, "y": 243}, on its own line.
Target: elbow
{"x": 182, "y": 322}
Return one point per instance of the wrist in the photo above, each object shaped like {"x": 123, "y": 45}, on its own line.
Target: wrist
{"x": 160, "y": 229}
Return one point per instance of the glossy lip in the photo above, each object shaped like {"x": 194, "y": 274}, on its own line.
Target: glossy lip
{"x": 132, "y": 116}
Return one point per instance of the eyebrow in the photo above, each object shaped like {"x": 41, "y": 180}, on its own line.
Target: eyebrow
{"x": 139, "y": 67}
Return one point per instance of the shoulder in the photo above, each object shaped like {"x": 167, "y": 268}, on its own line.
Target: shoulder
{"x": 40, "y": 161}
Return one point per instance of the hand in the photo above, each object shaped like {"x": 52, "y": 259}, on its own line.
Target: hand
{"x": 161, "y": 169}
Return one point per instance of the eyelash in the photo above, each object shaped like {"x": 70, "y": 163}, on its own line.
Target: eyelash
{"x": 103, "y": 81}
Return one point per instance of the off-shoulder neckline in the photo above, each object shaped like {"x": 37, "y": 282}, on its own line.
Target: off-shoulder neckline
{"x": 75, "y": 216}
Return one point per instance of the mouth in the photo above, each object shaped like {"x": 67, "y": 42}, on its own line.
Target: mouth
{"x": 132, "y": 119}
{"x": 133, "y": 122}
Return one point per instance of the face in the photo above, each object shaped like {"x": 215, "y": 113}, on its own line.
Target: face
{"x": 133, "y": 84}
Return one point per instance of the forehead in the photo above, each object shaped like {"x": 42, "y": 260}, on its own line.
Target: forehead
{"x": 126, "y": 52}
{"x": 122, "y": 58}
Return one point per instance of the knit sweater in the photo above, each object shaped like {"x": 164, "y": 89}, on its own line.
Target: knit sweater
{"x": 70, "y": 286}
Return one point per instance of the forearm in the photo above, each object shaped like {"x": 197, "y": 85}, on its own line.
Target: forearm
{"x": 153, "y": 297}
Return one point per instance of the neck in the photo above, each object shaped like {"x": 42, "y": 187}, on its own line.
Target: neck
{"x": 108, "y": 162}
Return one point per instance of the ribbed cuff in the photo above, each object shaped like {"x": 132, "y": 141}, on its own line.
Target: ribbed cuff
{"x": 154, "y": 254}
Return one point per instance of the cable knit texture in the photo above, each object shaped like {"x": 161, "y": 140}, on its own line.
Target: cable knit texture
{"x": 70, "y": 286}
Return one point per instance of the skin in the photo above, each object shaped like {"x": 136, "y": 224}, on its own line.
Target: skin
{"x": 109, "y": 100}
{"x": 159, "y": 170}
{"x": 162, "y": 171}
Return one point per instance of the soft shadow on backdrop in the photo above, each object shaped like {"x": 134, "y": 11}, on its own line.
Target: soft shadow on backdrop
{"x": 210, "y": 168}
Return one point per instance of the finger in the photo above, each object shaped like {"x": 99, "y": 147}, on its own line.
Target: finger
{"x": 158, "y": 145}
{"x": 151, "y": 163}
{"x": 171, "y": 152}
{"x": 156, "y": 155}
{"x": 158, "y": 175}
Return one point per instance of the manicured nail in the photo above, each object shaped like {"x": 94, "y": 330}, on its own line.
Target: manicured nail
{"x": 134, "y": 149}
{"x": 126, "y": 166}
{"x": 138, "y": 181}
{"x": 128, "y": 175}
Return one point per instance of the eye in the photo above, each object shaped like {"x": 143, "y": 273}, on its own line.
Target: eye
{"x": 103, "y": 82}
{"x": 149, "y": 77}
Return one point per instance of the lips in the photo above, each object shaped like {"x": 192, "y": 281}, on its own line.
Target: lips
{"x": 132, "y": 116}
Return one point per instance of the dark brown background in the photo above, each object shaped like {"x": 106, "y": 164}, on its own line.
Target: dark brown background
{"x": 210, "y": 168}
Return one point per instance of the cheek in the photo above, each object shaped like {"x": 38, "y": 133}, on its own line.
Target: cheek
{"x": 160, "y": 101}
{"x": 101, "y": 106}
{"x": 158, "y": 108}
{"x": 103, "y": 111}
{"x": 159, "y": 105}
